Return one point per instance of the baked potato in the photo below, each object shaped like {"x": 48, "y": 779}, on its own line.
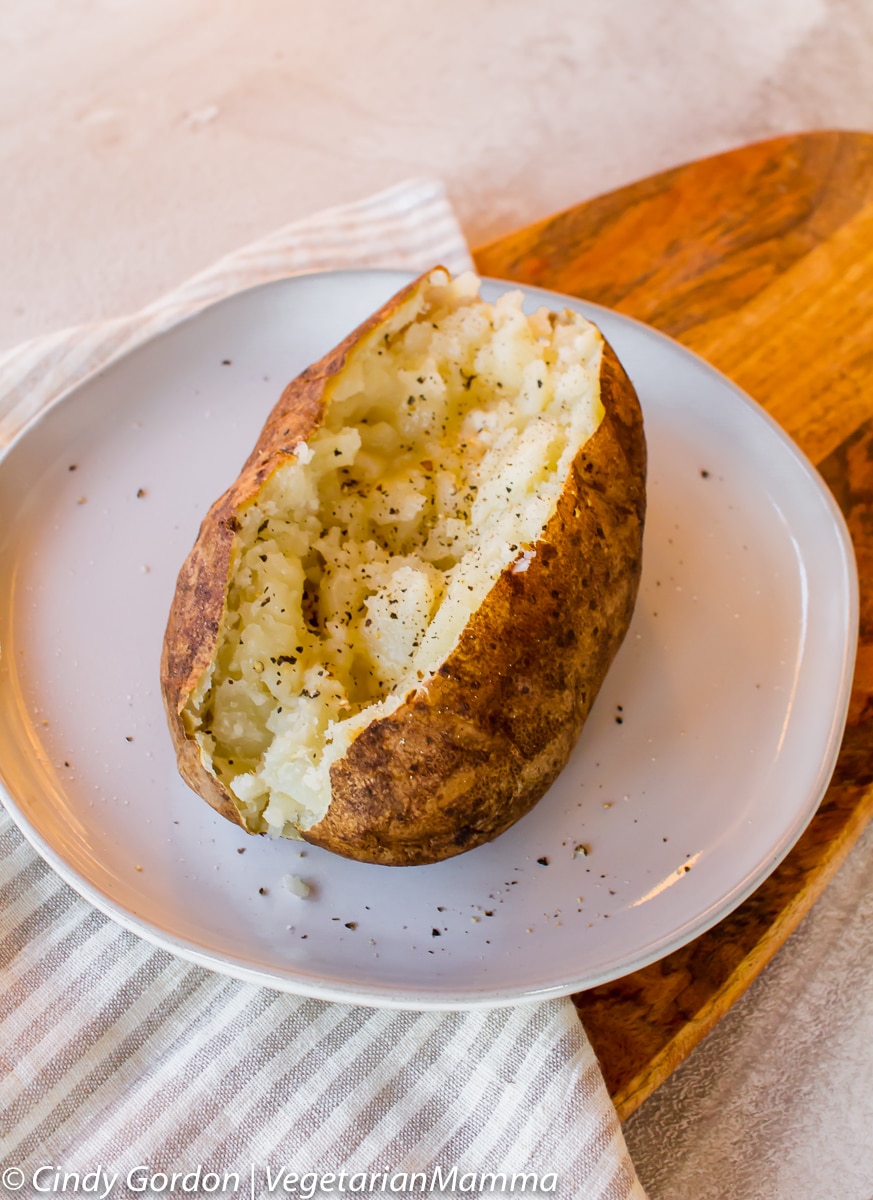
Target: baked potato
{"x": 392, "y": 626}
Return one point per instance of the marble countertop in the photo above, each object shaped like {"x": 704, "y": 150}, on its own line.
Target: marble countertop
{"x": 141, "y": 141}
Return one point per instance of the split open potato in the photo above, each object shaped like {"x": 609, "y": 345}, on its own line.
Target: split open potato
{"x": 392, "y": 626}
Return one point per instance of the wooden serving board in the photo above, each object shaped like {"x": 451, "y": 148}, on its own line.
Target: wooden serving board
{"x": 760, "y": 260}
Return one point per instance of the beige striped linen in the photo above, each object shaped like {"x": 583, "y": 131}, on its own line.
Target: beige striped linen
{"x": 121, "y": 1065}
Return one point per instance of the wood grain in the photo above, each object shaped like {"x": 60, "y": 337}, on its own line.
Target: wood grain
{"x": 760, "y": 260}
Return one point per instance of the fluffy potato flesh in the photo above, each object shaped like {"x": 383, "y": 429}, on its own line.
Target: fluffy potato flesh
{"x": 445, "y": 442}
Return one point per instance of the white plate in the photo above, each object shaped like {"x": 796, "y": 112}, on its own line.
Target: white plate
{"x": 707, "y": 752}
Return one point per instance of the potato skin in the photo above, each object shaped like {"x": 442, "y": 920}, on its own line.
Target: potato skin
{"x": 198, "y": 604}
{"x": 472, "y": 749}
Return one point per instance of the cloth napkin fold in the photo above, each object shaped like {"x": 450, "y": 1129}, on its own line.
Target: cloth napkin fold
{"x": 121, "y": 1065}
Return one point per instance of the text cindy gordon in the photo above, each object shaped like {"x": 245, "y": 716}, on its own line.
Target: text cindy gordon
{"x": 103, "y": 1183}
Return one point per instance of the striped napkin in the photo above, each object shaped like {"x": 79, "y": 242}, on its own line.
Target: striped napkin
{"x": 122, "y": 1067}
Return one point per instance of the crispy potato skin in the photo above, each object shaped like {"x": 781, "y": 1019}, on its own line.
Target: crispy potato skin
{"x": 198, "y": 604}
{"x": 472, "y": 749}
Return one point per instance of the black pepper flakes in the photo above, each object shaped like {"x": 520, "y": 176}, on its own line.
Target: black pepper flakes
{"x": 544, "y": 862}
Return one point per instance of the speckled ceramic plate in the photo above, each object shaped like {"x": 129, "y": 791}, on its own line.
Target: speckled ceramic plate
{"x": 707, "y": 752}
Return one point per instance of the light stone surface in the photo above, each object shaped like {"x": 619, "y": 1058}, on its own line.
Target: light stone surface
{"x": 141, "y": 139}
